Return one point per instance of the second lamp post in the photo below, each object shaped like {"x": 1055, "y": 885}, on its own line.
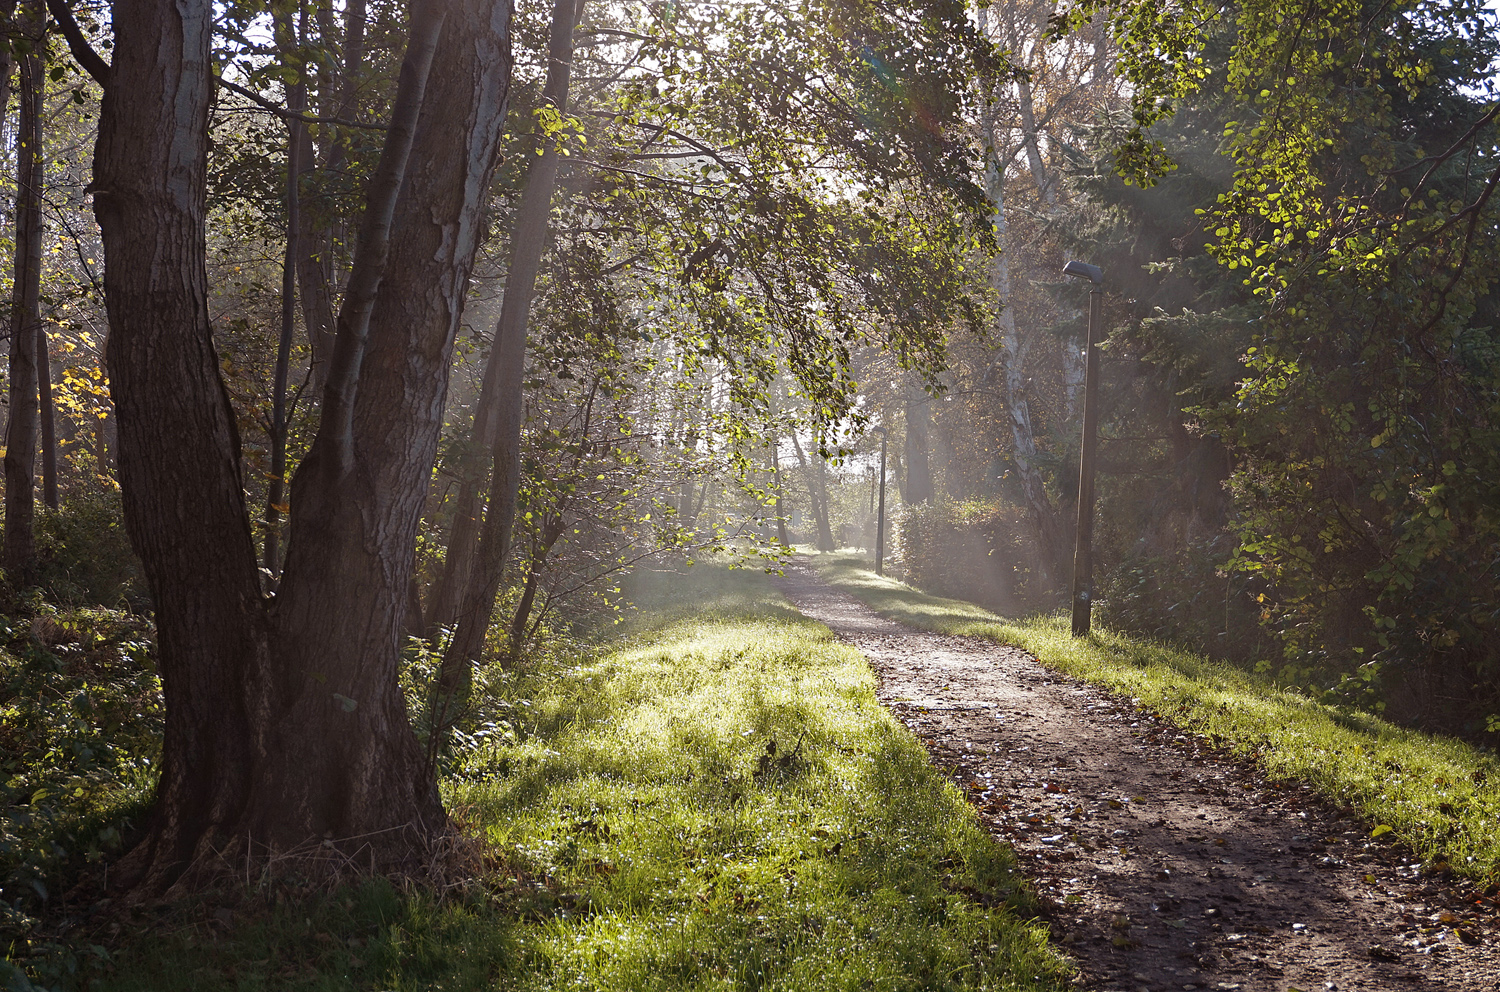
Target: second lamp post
{"x": 1083, "y": 547}
{"x": 880, "y": 514}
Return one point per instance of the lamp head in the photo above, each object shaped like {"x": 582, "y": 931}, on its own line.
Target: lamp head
{"x": 1084, "y": 270}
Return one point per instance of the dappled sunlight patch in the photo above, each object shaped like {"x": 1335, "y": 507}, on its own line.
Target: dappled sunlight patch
{"x": 720, "y": 803}
{"x": 750, "y": 816}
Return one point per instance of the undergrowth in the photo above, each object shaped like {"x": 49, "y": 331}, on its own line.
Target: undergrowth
{"x": 80, "y": 732}
{"x": 713, "y": 799}
{"x": 1438, "y": 795}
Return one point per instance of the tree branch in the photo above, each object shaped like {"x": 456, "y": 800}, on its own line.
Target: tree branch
{"x": 82, "y": 51}
{"x": 285, "y": 114}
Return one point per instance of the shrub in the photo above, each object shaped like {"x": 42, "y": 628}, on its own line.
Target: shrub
{"x": 80, "y": 733}
{"x": 983, "y": 551}
{"x": 83, "y": 555}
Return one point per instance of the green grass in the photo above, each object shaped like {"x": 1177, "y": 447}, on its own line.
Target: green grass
{"x": 1438, "y": 795}
{"x": 714, "y": 801}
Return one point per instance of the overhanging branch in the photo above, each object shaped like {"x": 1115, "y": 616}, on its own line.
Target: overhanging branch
{"x": 82, "y": 51}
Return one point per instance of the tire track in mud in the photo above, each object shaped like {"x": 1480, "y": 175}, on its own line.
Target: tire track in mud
{"x": 1164, "y": 863}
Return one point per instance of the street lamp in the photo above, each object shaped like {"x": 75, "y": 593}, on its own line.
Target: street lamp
{"x": 880, "y": 516}
{"x": 1083, "y": 550}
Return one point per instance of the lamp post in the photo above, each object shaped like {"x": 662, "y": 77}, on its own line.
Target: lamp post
{"x": 1083, "y": 547}
{"x": 880, "y": 514}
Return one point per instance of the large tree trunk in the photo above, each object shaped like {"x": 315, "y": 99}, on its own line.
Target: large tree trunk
{"x": 473, "y": 572}
{"x": 178, "y": 449}
{"x": 25, "y": 323}
{"x": 358, "y": 497}
{"x": 284, "y": 727}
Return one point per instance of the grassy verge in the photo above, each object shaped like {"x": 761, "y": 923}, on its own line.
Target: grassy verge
{"x": 715, "y": 801}
{"x": 1438, "y": 795}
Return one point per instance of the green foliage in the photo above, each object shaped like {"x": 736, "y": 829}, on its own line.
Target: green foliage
{"x": 83, "y": 553}
{"x": 80, "y": 735}
{"x": 1340, "y": 167}
{"x": 1179, "y": 593}
{"x": 1439, "y": 795}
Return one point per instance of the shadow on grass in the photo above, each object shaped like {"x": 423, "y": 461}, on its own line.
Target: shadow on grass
{"x": 716, "y": 801}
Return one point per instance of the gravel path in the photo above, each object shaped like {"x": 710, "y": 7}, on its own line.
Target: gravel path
{"x": 1164, "y": 863}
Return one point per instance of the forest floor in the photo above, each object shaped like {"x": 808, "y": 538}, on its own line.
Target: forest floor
{"x": 1165, "y": 863}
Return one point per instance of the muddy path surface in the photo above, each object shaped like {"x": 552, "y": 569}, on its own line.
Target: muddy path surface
{"x": 1164, "y": 863}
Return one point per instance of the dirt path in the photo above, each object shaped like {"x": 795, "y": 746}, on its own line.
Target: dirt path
{"x": 1165, "y": 864}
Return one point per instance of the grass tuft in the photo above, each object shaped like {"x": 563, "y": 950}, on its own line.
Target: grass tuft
{"x": 1438, "y": 795}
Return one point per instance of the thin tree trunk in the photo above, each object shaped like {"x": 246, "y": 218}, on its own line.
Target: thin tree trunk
{"x": 25, "y": 318}
{"x": 316, "y": 280}
{"x": 48, "y": 414}
{"x": 918, "y": 467}
{"x": 817, "y": 496}
{"x": 1044, "y": 517}
{"x": 296, "y": 100}
{"x": 101, "y": 449}
{"x": 499, "y": 412}
{"x": 550, "y": 534}
{"x": 781, "y": 536}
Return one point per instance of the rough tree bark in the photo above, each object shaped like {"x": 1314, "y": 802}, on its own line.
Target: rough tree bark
{"x": 284, "y": 721}
{"x": 25, "y": 324}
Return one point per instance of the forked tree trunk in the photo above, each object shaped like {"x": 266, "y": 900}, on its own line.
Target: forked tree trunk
{"x": 357, "y": 499}
{"x": 284, "y": 726}
{"x": 25, "y": 320}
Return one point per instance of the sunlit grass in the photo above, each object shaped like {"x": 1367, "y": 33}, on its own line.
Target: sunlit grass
{"x": 716, "y": 801}
{"x": 1439, "y": 795}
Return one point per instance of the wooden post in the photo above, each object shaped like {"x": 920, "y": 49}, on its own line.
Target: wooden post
{"x": 880, "y": 515}
{"x": 1083, "y": 550}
